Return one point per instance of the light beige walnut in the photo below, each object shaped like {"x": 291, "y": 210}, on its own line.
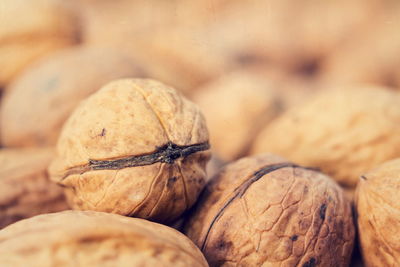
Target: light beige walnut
{"x": 88, "y": 238}
{"x": 236, "y": 107}
{"x": 370, "y": 56}
{"x": 266, "y": 211}
{"x": 36, "y": 105}
{"x": 31, "y": 29}
{"x": 136, "y": 147}
{"x": 213, "y": 166}
{"x": 342, "y": 132}
{"x": 378, "y": 215}
{"x": 25, "y": 188}
{"x": 296, "y": 35}
{"x": 148, "y": 31}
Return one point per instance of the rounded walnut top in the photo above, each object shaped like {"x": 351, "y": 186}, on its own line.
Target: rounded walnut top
{"x": 87, "y": 238}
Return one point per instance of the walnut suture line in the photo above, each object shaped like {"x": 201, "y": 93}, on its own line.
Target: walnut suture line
{"x": 167, "y": 153}
{"x": 241, "y": 190}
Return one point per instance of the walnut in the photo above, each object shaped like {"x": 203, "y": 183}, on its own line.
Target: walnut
{"x": 342, "y": 132}
{"x": 137, "y": 148}
{"x": 31, "y": 29}
{"x": 236, "y": 107}
{"x": 213, "y": 166}
{"x": 166, "y": 61}
{"x": 144, "y": 37}
{"x": 264, "y": 210}
{"x": 88, "y": 238}
{"x": 25, "y": 189}
{"x": 378, "y": 214}
{"x": 52, "y": 88}
{"x": 375, "y": 63}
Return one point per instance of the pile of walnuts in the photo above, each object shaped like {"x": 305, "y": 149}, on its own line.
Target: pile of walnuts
{"x": 199, "y": 133}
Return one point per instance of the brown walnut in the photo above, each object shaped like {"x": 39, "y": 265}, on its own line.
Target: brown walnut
{"x": 137, "y": 148}
{"x": 342, "y": 132}
{"x": 37, "y": 103}
{"x": 88, "y": 238}
{"x": 32, "y": 29}
{"x": 378, "y": 215}
{"x": 266, "y": 211}
{"x": 236, "y": 107}
{"x": 25, "y": 188}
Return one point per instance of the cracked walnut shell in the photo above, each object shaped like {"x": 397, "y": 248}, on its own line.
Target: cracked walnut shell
{"x": 342, "y": 132}
{"x": 88, "y": 238}
{"x": 136, "y": 147}
{"x": 264, "y": 210}
{"x": 25, "y": 188}
{"x": 378, "y": 215}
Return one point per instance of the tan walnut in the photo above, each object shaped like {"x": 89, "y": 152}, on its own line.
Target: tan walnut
{"x": 88, "y": 238}
{"x": 378, "y": 215}
{"x": 136, "y": 147}
{"x": 344, "y": 132}
{"x": 37, "y": 103}
{"x": 25, "y": 188}
{"x": 266, "y": 211}
{"x": 236, "y": 107}
{"x": 32, "y": 29}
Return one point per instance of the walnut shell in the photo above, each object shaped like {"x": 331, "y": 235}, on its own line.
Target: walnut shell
{"x": 88, "y": 238}
{"x": 42, "y": 27}
{"x": 267, "y": 211}
{"x": 25, "y": 188}
{"x": 342, "y": 132}
{"x": 143, "y": 36}
{"x": 236, "y": 106}
{"x": 375, "y": 62}
{"x": 136, "y": 147}
{"x": 52, "y": 88}
{"x": 378, "y": 215}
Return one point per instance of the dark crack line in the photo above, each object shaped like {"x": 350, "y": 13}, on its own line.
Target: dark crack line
{"x": 241, "y": 190}
{"x": 167, "y": 153}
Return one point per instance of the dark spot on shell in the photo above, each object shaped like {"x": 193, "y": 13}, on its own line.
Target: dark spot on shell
{"x": 222, "y": 245}
{"x": 293, "y": 237}
{"x": 103, "y": 132}
{"x": 171, "y": 181}
{"x": 322, "y": 211}
{"x": 305, "y": 190}
{"x": 308, "y": 68}
{"x": 310, "y": 263}
{"x": 363, "y": 177}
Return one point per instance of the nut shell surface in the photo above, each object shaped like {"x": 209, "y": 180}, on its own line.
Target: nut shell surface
{"x": 266, "y": 211}
{"x": 42, "y": 26}
{"x": 342, "y": 132}
{"x": 87, "y": 238}
{"x": 25, "y": 187}
{"x": 137, "y": 148}
{"x": 36, "y": 104}
{"x": 378, "y": 215}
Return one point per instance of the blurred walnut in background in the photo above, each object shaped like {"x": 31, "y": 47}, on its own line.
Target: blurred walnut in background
{"x": 32, "y": 29}
{"x": 372, "y": 55}
{"x": 25, "y": 188}
{"x": 38, "y": 102}
{"x": 342, "y": 132}
{"x": 236, "y": 107}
